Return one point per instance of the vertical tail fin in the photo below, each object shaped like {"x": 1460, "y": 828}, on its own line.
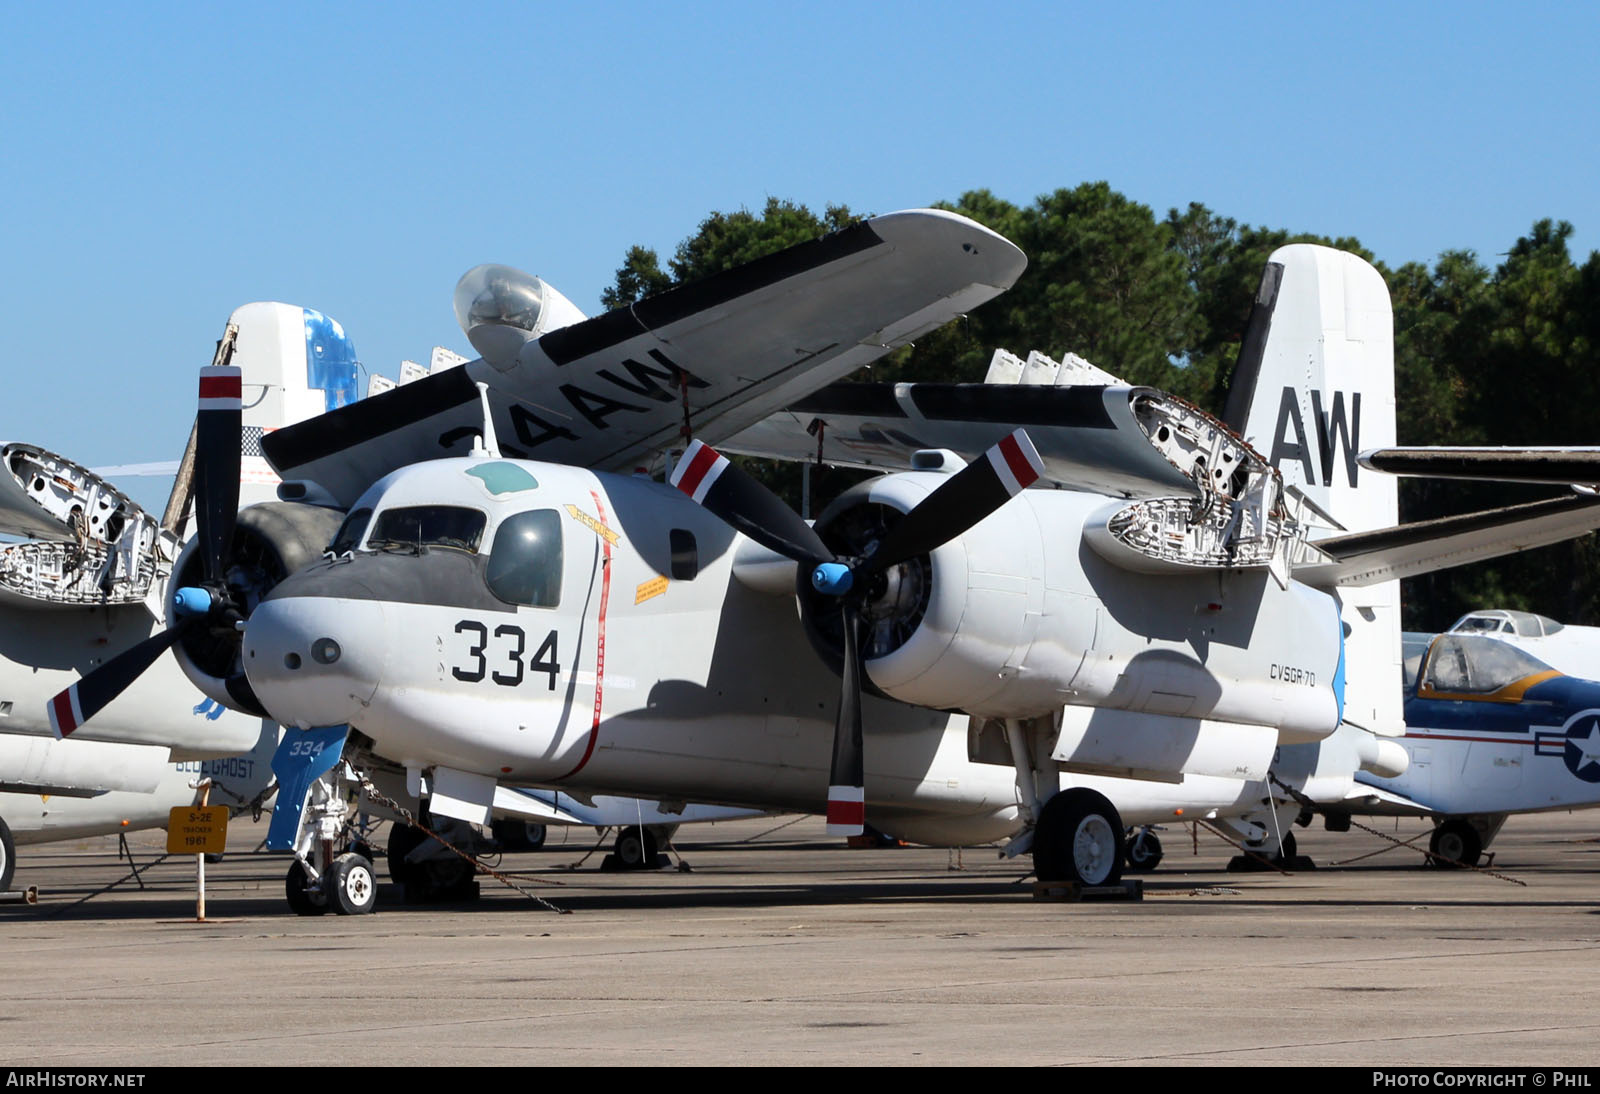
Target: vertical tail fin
{"x": 1314, "y": 386}
{"x": 297, "y": 363}
{"x": 1315, "y": 381}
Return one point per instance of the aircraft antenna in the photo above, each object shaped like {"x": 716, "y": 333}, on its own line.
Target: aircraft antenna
{"x": 488, "y": 445}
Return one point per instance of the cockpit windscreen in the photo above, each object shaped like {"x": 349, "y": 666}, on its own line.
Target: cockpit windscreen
{"x": 427, "y": 526}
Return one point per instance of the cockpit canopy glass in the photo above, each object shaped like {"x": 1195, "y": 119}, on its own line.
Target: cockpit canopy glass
{"x": 1476, "y": 665}
{"x": 525, "y": 560}
{"x": 1507, "y": 621}
{"x": 427, "y": 526}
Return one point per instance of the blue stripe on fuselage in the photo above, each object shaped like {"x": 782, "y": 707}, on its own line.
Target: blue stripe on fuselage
{"x": 1546, "y": 704}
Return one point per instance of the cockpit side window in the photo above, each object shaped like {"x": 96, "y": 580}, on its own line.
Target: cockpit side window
{"x": 525, "y": 559}
{"x": 349, "y": 534}
{"x": 427, "y": 526}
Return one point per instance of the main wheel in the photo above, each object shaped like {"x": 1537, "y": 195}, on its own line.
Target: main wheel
{"x": 635, "y": 848}
{"x": 304, "y": 898}
{"x": 1457, "y": 844}
{"x": 404, "y": 839}
{"x": 8, "y": 857}
{"x": 350, "y": 886}
{"x": 1290, "y": 847}
{"x": 1079, "y": 838}
{"x": 1144, "y": 852}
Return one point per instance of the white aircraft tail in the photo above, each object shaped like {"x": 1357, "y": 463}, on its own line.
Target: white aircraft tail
{"x": 1314, "y": 387}
{"x": 1315, "y": 381}
{"x": 297, "y": 363}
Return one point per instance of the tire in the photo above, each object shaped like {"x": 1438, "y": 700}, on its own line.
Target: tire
{"x": 1079, "y": 839}
{"x": 350, "y": 886}
{"x": 519, "y": 835}
{"x": 635, "y": 848}
{"x": 404, "y": 839}
{"x": 1457, "y": 844}
{"x": 303, "y": 900}
{"x": 1144, "y": 853}
{"x": 1290, "y": 848}
{"x": 8, "y": 857}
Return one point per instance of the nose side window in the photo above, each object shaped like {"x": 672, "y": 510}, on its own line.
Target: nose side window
{"x": 525, "y": 559}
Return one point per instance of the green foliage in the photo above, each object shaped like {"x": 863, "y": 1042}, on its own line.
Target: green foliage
{"x": 1503, "y": 356}
{"x": 639, "y": 276}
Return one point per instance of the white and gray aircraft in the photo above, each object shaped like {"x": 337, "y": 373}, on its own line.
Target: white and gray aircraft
{"x": 539, "y": 611}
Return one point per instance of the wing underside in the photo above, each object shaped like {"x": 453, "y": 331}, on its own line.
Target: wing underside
{"x": 1367, "y": 558}
{"x": 1089, "y": 436}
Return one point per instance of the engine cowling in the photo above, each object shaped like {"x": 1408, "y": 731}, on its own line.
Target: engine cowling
{"x": 270, "y": 541}
{"x": 1018, "y": 616}
{"x": 943, "y": 629}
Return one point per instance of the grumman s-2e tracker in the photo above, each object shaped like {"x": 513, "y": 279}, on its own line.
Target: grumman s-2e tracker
{"x": 509, "y": 602}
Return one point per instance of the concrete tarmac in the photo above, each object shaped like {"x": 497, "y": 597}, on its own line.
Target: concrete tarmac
{"x": 783, "y": 947}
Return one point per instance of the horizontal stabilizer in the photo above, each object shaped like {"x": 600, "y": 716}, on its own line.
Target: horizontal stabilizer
{"x": 1367, "y": 558}
{"x": 1365, "y": 798}
{"x": 1558, "y": 466}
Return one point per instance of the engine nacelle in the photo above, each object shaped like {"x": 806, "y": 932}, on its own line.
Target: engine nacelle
{"x": 1018, "y": 616}
{"x": 270, "y": 542}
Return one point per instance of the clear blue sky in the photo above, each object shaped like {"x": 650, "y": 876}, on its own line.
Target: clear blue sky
{"x": 164, "y": 163}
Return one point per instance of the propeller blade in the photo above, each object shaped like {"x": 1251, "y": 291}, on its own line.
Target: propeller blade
{"x": 217, "y": 459}
{"x": 968, "y": 496}
{"x": 92, "y": 693}
{"x": 740, "y": 501}
{"x": 846, "y": 779}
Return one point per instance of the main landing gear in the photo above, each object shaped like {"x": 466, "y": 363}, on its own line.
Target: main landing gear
{"x": 1079, "y": 839}
{"x": 1455, "y": 844}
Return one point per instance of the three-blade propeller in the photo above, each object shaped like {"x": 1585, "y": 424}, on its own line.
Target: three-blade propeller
{"x": 959, "y": 503}
{"x": 217, "y": 459}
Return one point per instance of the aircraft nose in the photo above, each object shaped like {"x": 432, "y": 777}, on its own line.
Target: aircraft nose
{"x": 315, "y": 661}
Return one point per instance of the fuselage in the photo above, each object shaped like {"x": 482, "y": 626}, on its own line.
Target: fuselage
{"x": 547, "y": 625}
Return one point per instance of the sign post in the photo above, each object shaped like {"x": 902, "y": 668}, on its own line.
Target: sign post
{"x": 198, "y": 830}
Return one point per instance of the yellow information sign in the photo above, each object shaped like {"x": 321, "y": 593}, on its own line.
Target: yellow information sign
{"x": 197, "y": 830}
{"x": 654, "y": 587}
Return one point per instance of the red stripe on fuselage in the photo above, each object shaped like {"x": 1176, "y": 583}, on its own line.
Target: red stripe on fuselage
{"x": 600, "y": 644}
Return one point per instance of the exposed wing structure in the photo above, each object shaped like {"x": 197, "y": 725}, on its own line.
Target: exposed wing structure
{"x": 86, "y": 542}
{"x": 614, "y": 392}
{"x": 1367, "y": 558}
